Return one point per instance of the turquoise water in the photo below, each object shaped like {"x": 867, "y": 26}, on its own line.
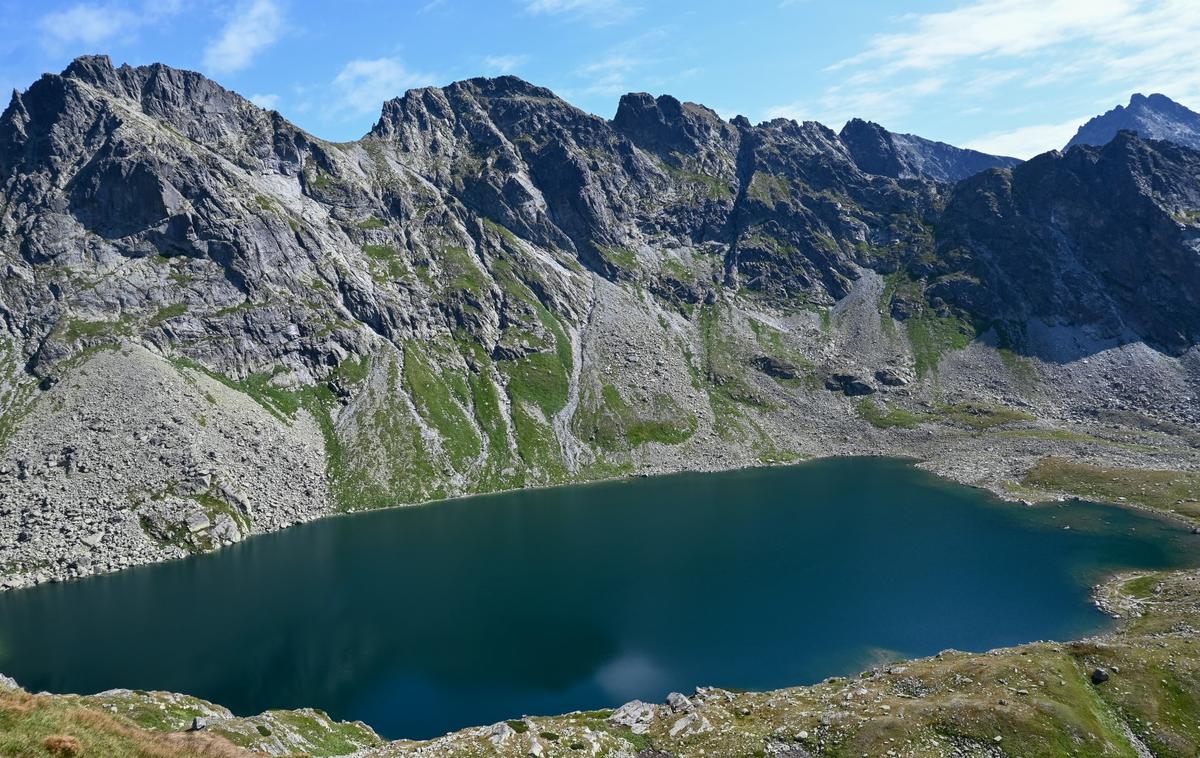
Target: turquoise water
{"x": 423, "y": 620}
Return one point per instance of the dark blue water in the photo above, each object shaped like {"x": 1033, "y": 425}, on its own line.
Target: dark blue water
{"x": 423, "y": 620}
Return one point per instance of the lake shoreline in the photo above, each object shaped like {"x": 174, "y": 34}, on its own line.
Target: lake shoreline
{"x": 923, "y": 693}
{"x": 989, "y": 473}
{"x": 832, "y": 545}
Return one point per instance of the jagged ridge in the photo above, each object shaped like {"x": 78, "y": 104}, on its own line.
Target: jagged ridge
{"x": 494, "y": 289}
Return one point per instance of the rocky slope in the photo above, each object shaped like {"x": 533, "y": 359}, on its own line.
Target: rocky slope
{"x": 906, "y": 156}
{"x": 1133, "y": 692}
{"x": 215, "y": 324}
{"x": 1155, "y": 117}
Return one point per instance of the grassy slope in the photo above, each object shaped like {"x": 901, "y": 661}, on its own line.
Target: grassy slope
{"x": 33, "y": 726}
{"x": 1173, "y": 491}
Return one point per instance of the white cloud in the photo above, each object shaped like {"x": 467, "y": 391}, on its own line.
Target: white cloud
{"x": 504, "y": 64}
{"x": 796, "y": 111}
{"x": 84, "y": 24}
{"x": 981, "y": 46}
{"x": 254, "y": 26}
{"x": 596, "y": 11}
{"x": 364, "y": 85}
{"x": 268, "y": 101}
{"x": 841, "y": 103}
{"x": 609, "y": 75}
{"x": 988, "y": 28}
{"x": 623, "y": 68}
{"x": 92, "y": 24}
{"x": 1028, "y": 141}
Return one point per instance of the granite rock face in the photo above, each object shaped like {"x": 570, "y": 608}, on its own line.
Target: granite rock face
{"x": 1097, "y": 236}
{"x": 215, "y": 324}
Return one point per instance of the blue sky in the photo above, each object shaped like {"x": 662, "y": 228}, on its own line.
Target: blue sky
{"x": 1007, "y": 76}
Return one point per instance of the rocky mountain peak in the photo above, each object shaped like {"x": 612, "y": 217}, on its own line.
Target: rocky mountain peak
{"x": 475, "y": 106}
{"x": 504, "y": 86}
{"x": 907, "y": 156}
{"x": 872, "y": 148}
{"x": 1154, "y": 116}
{"x": 664, "y": 123}
{"x": 93, "y": 69}
{"x": 92, "y": 98}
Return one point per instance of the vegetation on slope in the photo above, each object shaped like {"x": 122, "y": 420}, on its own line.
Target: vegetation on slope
{"x": 47, "y": 726}
{"x": 1174, "y": 491}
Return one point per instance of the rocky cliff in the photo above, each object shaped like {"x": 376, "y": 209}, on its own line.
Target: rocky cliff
{"x": 216, "y": 324}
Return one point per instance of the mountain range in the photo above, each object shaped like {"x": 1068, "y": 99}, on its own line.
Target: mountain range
{"x": 216, "y": 324}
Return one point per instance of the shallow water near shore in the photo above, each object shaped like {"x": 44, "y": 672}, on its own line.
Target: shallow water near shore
{"x": 423, "y": 620}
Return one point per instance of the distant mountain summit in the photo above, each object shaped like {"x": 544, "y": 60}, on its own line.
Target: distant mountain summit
{"x": 1153, "y": 117}
{"x": 907, "y": 156}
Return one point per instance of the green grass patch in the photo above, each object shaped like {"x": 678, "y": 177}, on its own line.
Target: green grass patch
{"x": 932, "y": 336}
{"x": 281, "y": 403}
{"x": 505, "y": 235}
{"x": 621, "y": 257}
{"x": 436, "y": 404}
{"x": 372, "y": 223}
{"x": 380, "y": 458}
{"x": 1142, "y": 587}
{"x": 540, "y": 381}
{"x": 611, "y": 423}
{"x": 724, "y": 373}
{"x": 390, "y": 265}
{"x": 769, "y": 189}
{"x": 983, "y": 416}
{"x": 715, "y": 189}
{"x": 1153, "y": 488}
{"x": 168, "y": 313}
{"x": 463, "y": 272}
{"x": 772, "y": 342}
{"x": 884, "y": 417}
{"x": 77, "y": 329}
